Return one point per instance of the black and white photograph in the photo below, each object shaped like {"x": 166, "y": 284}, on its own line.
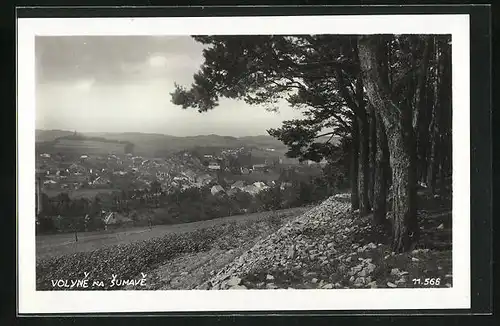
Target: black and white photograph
{"x": 183, "y": 164}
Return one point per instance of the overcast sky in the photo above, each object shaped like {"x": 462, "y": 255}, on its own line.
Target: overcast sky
{"x": 122, "y": 84}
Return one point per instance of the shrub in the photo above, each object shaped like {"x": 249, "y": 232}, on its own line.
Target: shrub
{"x": 271, "y": 198}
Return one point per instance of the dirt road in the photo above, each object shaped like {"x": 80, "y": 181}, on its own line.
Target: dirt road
{"x": 59, "y": 244}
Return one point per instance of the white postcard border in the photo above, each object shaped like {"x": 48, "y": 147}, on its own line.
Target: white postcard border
{"x": 32, "y": 301}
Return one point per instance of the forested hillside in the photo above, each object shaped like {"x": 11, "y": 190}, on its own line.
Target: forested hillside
{"x": 387, "y": 97}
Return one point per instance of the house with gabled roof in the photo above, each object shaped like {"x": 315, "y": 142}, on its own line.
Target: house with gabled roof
{"x": 245, "y": 171}
{"x": 217, "y": 189}
{"x": 214, "y": 166}
{"x": 238, "y": 184}
{"x": 115, "y": 219}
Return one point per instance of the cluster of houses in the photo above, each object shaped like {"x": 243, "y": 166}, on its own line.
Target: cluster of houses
{"x": 98, "y": 171}
{"x": 63, "y": 175}
{"x": 232, "y": 151}
{"x": 252, "y": 189}
{"x": 182, "y": 171}
{"x": 188, "y": 179}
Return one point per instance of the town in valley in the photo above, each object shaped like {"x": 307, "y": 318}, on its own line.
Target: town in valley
{"x": 76, "y": 167}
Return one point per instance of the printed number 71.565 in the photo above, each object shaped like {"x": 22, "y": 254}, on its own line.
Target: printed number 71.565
{"x": 427, "y": 281}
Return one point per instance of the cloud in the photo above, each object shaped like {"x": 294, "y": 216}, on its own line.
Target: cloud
{"x": 146, "y": 107}
{"x": 84, "y": 84}
{"x": 110, "y": 83}
{"x": 113, "y": 58}
{"x": 157, "y": 61}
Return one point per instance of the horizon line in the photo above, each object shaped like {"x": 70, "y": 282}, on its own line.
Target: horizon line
{"x": 150, "y": 133}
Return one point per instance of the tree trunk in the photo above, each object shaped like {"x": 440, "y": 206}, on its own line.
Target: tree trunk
{"x": 420, "y": 124}
{"x": 422, "y": 77}
{"x": 445, "y": 108}
{"x": 423, "y": 136}
{"x": 381, "y": 175}
{"x": 405, "y": 226}
{"x": 399, "y": 131}
{"x": 364, "y": 168}
{"x": 354, "y": 165}
{"x": 435, "y": 128}
{"x": 364, "y": 141}
{"x": 360, "y": 142}
{"x": 373, "y": 155}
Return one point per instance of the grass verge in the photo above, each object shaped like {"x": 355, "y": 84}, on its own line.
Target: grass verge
{"x": 128, "y": 261}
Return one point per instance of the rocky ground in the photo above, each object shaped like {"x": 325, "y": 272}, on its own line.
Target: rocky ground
{"x": 330, "y": 247}
{"x": 188, "y": 271}
{"x": 326, "y": 247}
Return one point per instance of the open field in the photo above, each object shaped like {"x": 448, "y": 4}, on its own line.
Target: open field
{"x": 79, "y": 193}
{"x": 50, "y": 135}
{"x": 60, "y": 244}
{"x": 255, "y": 176}
{"x": 88, "y": 146}
{"x": 273, "y": 156}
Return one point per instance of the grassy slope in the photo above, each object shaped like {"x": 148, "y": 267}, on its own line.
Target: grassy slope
{"x": 183, "y": 260}
{"x": 61, "y": 244}
{"x": 130, "y": 259}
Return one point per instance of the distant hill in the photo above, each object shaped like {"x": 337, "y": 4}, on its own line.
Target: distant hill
{"x": 151, "y": 144}
{"x": 174, "y": 143}
{"x": 50, "y": 135}
{"x": 263, "y": 141}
